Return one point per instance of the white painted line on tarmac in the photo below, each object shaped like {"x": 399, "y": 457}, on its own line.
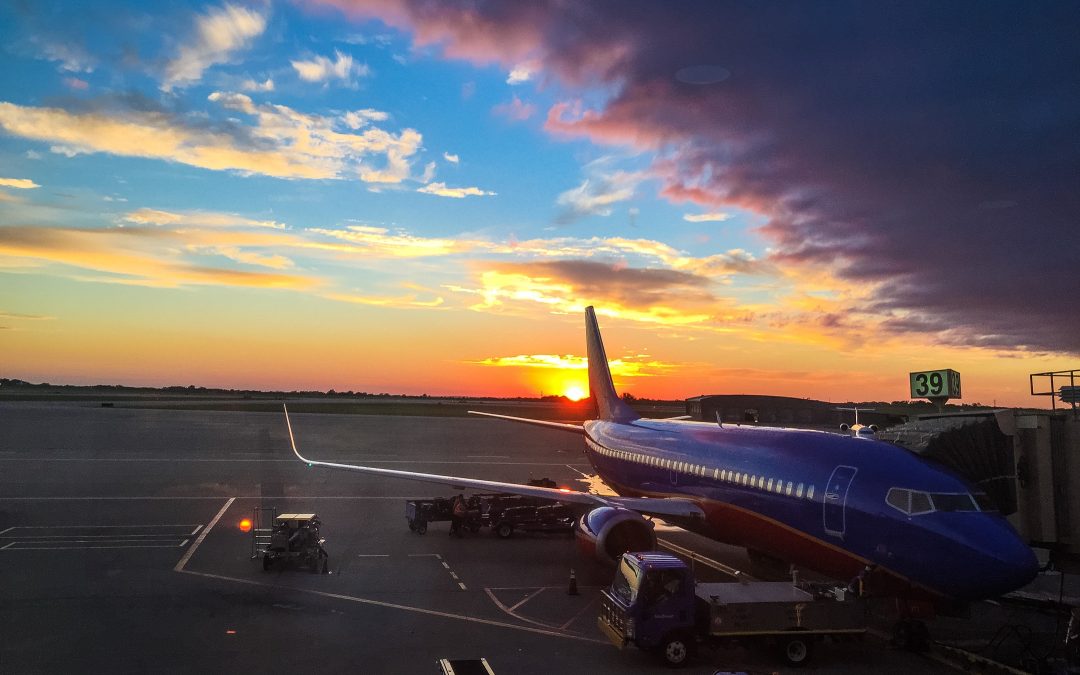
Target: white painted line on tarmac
{"x": 462, "y": 586}
{"x": 8, "y": 530}
{"x": 11, "y": 544}
{"x": 580, "y": 612}
{"x": 446, "y": 565}
{"x": 424, "y": 555}
{"x": 373, "y": 555}
{"x": 87, "y": 527}
{"x": 79, "y": 548}
{"x": 202, "y": 536}
{"x": 528, "y": 597}
{"x": 115, "y": 537}
{"x": 182, "y": 543}
{"x": 455, "y": 576}
{"x": 404, "y": 608}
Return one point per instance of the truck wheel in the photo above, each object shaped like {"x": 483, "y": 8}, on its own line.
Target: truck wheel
{"x": 421, "y": 527}
{"x": 504, "y": 530}
{"x": 677, "y": 649}
{"x": 412, "y": 526}
{"x": 795, "y": 650}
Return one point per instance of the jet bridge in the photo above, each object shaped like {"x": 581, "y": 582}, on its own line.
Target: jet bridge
{"x": 1027, "y": 462}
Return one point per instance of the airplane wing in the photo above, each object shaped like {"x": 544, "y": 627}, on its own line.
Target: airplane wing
{"x": 658, "y": 507}
{"x": 576, "y": 428}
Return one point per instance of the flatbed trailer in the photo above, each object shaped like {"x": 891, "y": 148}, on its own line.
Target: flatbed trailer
{"x": 655, "y": 605}
{"x": 504, "y": 513}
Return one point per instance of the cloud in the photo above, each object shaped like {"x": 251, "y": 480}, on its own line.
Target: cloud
{"x": 515, "y": 109}
{"x": 357, "y": 119}
{"x": 441, "y": 190}
{"x": 69, "y": 54}
{"x": 381, "y": 242}
{"x": 218, "y": 34}
{"x": 18, "y": 183}
{"x": 152, "y": 256}
{"x": 871, "y": 159}
{"x": 25, "y": 317}
{"x": 323, "y": 69}
{"x": 251, "y": 85}
{"x": 76, "y": 84}
{"x": 279, "y": 141}
{"x": 521, "y": 73}
{"x": 146, "y": 216}
{"x": 627, "y": 366}
{"x": 453, "y": 159}
{"x": 645, "y": 295}
{"x": 597, "y": 194}
{"x": 711, "y": 217}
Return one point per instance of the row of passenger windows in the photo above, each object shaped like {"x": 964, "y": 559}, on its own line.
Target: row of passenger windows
{"x": 915, "y": 503}
{"x": 775, "y": 485}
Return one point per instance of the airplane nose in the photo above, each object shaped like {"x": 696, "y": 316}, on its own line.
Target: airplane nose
{"x": 1007, "y": 565}
{"x": 993, "y": 560}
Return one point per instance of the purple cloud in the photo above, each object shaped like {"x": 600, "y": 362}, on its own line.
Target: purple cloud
{"x": 929, "y": 149}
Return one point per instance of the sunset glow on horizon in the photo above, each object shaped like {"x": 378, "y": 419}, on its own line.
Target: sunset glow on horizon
{"x": 388, "y": 196}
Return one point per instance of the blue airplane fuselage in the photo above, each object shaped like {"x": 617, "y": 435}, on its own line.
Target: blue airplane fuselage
{"x": 819, "y": 500}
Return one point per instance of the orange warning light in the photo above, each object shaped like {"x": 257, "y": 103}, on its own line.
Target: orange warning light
{"x": 564, "y": 489}
{"x": 245, "y": 525}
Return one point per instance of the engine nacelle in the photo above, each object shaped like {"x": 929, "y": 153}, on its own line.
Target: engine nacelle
{"x": 608, "y": 531}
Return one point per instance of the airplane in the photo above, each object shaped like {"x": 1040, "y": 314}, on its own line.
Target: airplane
{"x": 845, "y": 506}
{"x": 857, "y": 429}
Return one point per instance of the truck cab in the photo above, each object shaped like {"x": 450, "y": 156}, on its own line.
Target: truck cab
{"x": 650, "y": 601}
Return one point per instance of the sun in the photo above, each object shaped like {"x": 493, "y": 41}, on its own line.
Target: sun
{"x": 574, "y": 393}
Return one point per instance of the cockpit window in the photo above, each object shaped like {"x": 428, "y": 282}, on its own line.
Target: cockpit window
{"x": 953, "y": 502}
{"x": 984, "y": 502}
{"x": 920, "y": 503}
{"x": 913, "y": 502}
{"x": 899, "y": 499}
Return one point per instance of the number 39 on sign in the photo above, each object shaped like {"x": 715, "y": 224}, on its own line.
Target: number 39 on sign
{"x": 935, "y": 384}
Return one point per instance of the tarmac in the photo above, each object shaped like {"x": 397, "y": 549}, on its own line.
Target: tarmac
{"x": 120, "y": 552}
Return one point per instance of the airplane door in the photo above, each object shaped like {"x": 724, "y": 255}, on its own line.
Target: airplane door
{"x": 835, "y": 500}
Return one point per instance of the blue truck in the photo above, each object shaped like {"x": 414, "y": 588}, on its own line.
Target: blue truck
{"x": 655, "y": 604}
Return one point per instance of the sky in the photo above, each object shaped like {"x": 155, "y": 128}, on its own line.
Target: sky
{"x": 800, "y": 199}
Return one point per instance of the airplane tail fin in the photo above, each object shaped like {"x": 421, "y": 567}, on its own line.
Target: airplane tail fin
{"x": 608, "y": 404}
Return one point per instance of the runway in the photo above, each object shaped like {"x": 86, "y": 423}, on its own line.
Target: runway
{"x": 120, "y": 551}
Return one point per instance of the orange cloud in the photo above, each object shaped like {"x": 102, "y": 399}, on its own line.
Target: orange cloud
{"x": 628, "y": 366}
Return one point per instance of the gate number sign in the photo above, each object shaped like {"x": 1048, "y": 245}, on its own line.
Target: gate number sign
{"x": 935, "y": 384}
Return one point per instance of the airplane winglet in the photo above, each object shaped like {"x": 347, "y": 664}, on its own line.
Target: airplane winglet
{"x": 292, "y": 439}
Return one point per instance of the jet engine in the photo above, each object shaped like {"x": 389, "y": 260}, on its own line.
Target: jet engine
{"x": 608, "y": 531}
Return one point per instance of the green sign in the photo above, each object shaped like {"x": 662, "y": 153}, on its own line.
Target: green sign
{"x": 935, "y": 384}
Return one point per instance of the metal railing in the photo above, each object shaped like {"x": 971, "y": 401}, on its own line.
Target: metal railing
{"x": 1055, "y": 380}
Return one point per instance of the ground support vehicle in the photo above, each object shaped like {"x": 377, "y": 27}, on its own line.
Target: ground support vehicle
{"x": 295, "y": 540}
{"x": 420, "y": 512}
{"x": 503, "y": 513}
{"x": 544, "y": 518}
{"x": 655, "y": 604}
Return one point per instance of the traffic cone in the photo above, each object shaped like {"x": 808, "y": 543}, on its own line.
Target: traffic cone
{"x": 573, "y": 583}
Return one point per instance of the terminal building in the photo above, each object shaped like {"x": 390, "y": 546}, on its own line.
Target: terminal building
{"x": 778, "y": 411}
